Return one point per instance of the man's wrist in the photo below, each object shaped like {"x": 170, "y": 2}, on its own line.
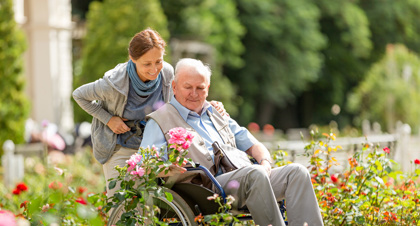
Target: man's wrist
{"x": 265, "y": 159}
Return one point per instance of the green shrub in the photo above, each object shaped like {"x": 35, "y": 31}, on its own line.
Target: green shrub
{"x": 14, "y": 107}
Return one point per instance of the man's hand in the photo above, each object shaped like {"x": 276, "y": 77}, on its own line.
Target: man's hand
{"x": 175, "y": 169}
{"x": 267, "y": 166}
{"x": 262, "y": 155}
{"x": 219, "y": 107}
{"x": 117, "y": 125}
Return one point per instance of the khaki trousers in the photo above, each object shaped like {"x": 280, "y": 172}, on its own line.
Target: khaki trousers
{"x": 251, "y": 186}
{"x": 119, "y": 157}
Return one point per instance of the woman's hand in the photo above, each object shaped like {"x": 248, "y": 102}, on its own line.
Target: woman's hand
{"x": 219, "y": 107}
{"x": 117, "y": 125}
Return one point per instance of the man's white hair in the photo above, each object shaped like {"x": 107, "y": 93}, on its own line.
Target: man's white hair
{"x": 193, "y": 65}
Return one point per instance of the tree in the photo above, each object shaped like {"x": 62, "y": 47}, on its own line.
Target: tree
{"x": 14, "y": 107}
{"x": 357, "y": 32}
{"x": 110, "y": 26}
{"x": 213, "y": 22}
{"x": 391, "y": 90}
{"x": 346, "y": 60}
{"x": 282, "y": 55}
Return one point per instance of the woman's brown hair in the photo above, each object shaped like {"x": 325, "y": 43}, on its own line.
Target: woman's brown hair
{"x": 144, "y": 41}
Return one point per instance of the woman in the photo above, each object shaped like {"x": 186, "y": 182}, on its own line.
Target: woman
{"x": 126, "y": 94}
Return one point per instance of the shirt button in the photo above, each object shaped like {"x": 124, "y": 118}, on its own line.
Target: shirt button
{"x": 201, "y": 143}
{"x": 208, "y": 158}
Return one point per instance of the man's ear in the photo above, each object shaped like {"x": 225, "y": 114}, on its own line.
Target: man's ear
{"x": 173, "y": 86}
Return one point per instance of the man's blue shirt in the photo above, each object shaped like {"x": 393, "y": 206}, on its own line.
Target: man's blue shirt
{"x": 153, "y": 135}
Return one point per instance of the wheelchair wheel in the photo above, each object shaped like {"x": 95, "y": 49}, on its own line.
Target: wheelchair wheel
{"x": 176, "y": 212}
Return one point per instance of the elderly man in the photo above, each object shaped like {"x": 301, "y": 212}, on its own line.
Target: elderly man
{"x": 260, "y": 186}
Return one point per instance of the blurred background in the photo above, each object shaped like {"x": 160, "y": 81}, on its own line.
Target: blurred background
{"x": 279, "y": 66}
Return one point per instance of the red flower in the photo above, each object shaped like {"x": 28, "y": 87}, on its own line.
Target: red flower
{"x": 334, "y": 178}
{"x": 55, "y": 185}
{"x": 386, "y": 150}
{"x": 81, "y": 201}
{"x": 22, "y": 187}
{"x": 417, "y": 161}
{"x": 81, "y": 190}
{"x": 24, "y": 204}
{"x": 16, "y": 191}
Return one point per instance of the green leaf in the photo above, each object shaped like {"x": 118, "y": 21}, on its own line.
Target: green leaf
{"x": 169, "y": 196}
{"x": 112, "y": 184}
{"x": 378, "y": 165}
{"x": 380, "y": 180}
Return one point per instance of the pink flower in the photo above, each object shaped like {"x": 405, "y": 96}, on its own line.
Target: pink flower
{"x": 139, "y": 171}
{"x": 334, "y": 178}
{"x": 7, "y": 218}
{"x": 133, "y": 161}
{"x": 213, "y": 197}
{"x": 386, "y": 150}
{"x": 45, "y": 207}
{"x": 177, "y": 135}
{"x": 417, "y": 162}
{"x": 55, "y": 185}
{"x": 45, "y": 123}
{"x": 180, "y": 138}
{"x": 186, "y": 145}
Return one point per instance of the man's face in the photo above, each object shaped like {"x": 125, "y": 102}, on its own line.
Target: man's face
{"x": 191, "y": 89}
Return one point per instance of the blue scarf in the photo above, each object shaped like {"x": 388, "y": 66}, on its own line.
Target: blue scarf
{"x": 142, "y": 88}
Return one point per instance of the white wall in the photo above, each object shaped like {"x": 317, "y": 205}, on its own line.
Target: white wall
{"x": 48, "y": 59}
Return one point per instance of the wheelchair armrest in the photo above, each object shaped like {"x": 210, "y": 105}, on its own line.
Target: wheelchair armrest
{"x": 209, "y": 175}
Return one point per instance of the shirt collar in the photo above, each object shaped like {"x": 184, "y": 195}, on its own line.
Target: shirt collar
{"x": 184, "y": 112}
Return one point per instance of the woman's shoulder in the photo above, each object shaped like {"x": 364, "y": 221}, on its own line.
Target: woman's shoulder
{"x": 168, "y": 67}
{"x": 117, "y": 70}
{"x": 167, "y": 72}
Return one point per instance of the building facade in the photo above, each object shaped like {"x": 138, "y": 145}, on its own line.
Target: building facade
{"x": 48, "y": 59}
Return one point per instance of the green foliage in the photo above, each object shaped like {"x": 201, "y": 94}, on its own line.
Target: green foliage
{"x": 282, "y": 43}
{"x": 110, "y": 26}
{"x": 139, "y": 181}
{"x": 68, "y": 193}
{"x": 369, "y": 192}
{"x": 14, "y": 107}
{"x": 390, "y": 90}
{"x": 214, "y": 22}
{"x": 357, "y": 32}
{"x": 346, "y": 27}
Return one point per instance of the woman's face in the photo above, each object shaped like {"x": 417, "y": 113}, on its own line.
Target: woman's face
{"x": 149, "y": 65}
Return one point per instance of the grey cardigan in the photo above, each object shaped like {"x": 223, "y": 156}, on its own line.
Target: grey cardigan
{"x": 107, "y": 97}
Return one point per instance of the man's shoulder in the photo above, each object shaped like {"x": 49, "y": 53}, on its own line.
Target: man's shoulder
{"x": 166, "y": 109}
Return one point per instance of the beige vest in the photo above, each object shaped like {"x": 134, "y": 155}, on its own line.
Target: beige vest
{"x": 167, "y": 117}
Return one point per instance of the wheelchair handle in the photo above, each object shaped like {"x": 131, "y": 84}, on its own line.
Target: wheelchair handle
{"x": 212, "y": 178}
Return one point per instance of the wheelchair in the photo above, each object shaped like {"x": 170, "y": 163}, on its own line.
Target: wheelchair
{"x": 189, "y": 201}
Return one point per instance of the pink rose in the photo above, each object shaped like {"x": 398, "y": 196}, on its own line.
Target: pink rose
{"x": 7, "y": 218}
{"x": 133, "y": 161}
{"x": 139, "y": 171}
{"x": 180, "y": 138}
